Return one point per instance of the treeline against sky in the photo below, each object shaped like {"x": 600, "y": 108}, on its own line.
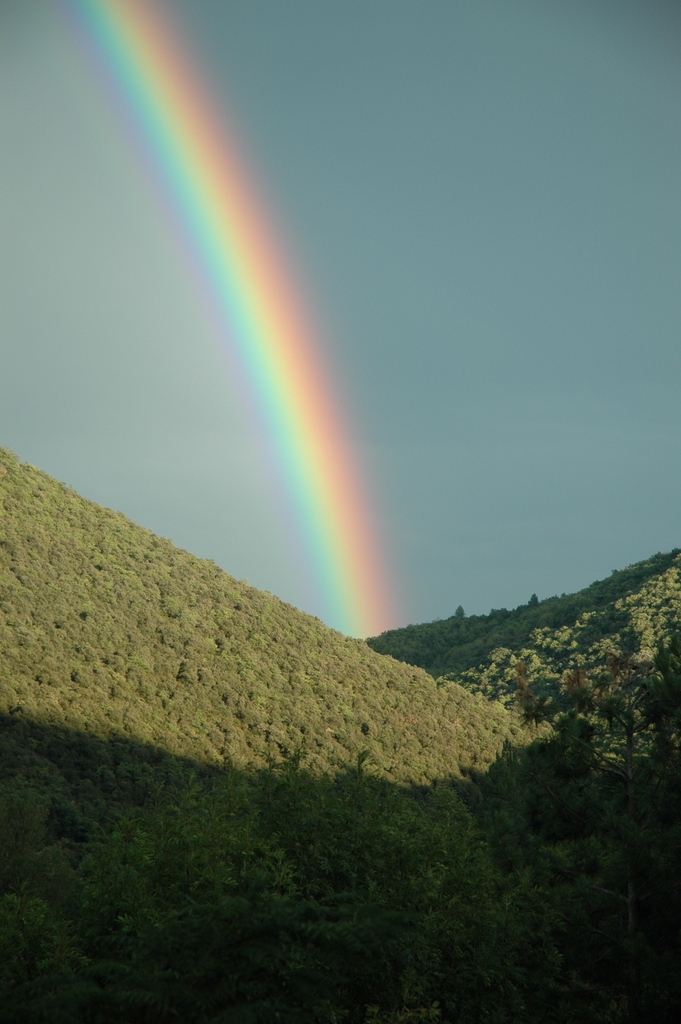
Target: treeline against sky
{"x": 215, "y": 809}
{"x": 633, "y": 609}
{"x": 106, "y": 628}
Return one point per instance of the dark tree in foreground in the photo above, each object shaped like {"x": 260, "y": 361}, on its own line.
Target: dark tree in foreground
{"x": 602, "y": 798}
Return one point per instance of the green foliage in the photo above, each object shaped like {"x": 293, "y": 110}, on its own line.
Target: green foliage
{"x": 280, "y": 896}
{"x": 35, "y": 941}
{"x": 213, "y": 809}
{"x": 592, "y": 814}
{"x": 633, "y": 610}
{"x": 108, "y": 630}
{"x": 27, "y": 861}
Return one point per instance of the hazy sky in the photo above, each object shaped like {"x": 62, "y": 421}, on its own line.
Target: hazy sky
{"x": 483, "y": 199}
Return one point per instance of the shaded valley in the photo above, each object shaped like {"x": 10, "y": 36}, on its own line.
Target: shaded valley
{"x": 215, "y": 809}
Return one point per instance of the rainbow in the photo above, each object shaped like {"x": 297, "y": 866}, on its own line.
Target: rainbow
{"x": 259, "y": 313}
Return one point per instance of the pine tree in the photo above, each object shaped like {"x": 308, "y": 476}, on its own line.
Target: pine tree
{"x": 604, "y": 797}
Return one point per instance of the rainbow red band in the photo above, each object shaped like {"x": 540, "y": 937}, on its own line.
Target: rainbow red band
{"x": 259, "y": 314}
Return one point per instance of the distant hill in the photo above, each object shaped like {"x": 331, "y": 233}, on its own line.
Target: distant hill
{"x": 632, "y": 610}
{"x": 110, "y": 632}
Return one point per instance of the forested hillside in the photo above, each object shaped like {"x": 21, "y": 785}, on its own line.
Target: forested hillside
{"x": 215, "y": 810}
{"x": 633, "y": 610}
{"x": 107, "y": 629}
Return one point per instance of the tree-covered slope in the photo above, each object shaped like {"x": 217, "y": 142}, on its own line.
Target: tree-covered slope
{"x": 110, "y": 630}
{"x": 633, "y": 610}
{"x": 162, "y": 859}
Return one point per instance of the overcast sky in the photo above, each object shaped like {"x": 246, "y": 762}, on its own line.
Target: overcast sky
{"x": 483, "y": 201}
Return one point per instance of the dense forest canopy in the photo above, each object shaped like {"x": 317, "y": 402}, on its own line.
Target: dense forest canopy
{"x": 632, "y": 610}
{"x": 214, "y": 809}
{"x": 108, "y": 628}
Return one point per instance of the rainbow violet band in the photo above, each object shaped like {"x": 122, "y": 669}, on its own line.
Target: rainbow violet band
{"x": 258, "y": 311}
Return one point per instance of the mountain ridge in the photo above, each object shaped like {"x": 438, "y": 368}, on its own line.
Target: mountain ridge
{"x": 106, "y": 628}
{"x": 211, "y": 804}
{"x": 633, "y": 609}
